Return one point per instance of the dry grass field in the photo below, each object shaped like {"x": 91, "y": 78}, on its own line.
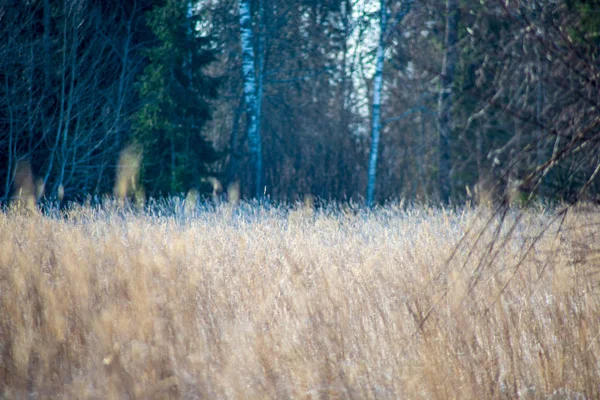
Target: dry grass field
{"x": 249, "y": 302}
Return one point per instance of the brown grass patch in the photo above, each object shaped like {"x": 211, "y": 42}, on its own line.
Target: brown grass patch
{"x": 273, "y": 303}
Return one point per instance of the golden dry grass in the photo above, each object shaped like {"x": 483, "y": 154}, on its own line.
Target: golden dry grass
{"x": 254, "y": 303}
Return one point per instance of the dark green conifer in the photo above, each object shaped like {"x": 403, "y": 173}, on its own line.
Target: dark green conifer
{"x": 175, "y": 90}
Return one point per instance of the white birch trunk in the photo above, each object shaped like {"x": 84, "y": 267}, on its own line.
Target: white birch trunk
{"x": 250, "y": 92}
{"x": 376, "y": 113}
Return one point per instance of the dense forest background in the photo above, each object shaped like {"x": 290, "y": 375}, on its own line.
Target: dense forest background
{"x": 429, "y": 100}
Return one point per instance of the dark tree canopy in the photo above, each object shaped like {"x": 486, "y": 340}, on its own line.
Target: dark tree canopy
{"x": 174, "y": 91}
{"x": 82, "y": 80}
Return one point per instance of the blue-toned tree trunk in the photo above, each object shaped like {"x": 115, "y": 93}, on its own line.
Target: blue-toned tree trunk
{"x": 445, "y": 99}
{"x": 376, "y": 112}
{"x": 251, "y": 92}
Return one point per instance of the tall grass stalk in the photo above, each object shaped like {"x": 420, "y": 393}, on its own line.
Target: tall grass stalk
{"x": 219, "y": 301}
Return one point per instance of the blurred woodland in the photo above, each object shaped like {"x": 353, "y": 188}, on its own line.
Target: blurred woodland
{"x": 429, "y": 100}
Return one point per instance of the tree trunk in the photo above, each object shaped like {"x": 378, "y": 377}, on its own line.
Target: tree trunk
{"x": 539, "y": 101}
{"x": 376, "y": 113}
{"x": 445, "y": 99}
{"x": 259, "y": 91}
{"x": 250, "y": 92}
{"x": 232, "y": 169}
{"x": 47, "y": 46}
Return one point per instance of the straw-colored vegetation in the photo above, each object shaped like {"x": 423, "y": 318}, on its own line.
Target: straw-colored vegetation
{"x": 246, "y": 302}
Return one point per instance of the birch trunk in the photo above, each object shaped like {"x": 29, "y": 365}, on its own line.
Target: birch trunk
{"x": 250, "y": 92}
{"x": 376, "y": 113}
{"x": 260, "y": 85}
{"x": 445, "y": 99}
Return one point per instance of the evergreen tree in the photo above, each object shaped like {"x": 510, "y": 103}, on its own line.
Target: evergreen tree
{"x": 175, "y": 91}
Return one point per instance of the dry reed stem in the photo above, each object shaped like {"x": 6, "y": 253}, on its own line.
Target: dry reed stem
{"x": 274, "y": 303}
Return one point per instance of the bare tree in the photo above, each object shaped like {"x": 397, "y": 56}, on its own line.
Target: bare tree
{"x": 69, "y": 112}
{"x": 376, "y": 106}
{"x": 445, "y": 99}
{"x": 377, "y": 93}
{"x": 251, "y": 92}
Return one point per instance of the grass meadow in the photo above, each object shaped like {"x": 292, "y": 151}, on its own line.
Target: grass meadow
{"x": 257, "y": 302}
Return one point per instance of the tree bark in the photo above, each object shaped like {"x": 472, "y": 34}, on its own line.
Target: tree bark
{"x": 376, "y": 113}
{"x": 539, "y": 102}
{"x": 445, "y": 99}
{"x": 250, "y": 92}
